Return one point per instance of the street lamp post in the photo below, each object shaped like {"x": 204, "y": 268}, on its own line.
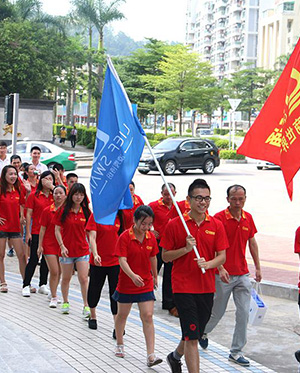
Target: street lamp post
{"x": 234, "y": 103}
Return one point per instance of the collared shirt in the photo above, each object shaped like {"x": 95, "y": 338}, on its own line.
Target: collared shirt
{"x": 297, "y": 241}
{"x": 37, "y": 203}
{"x": 210, "y": 237}
{"x": 41, "y": 167}
{"x": 183, "y": 207}
{"x": 128, "y": 213}
{"x": 238, "y": 234}
{"x": 138, "y": 258}
{"x": 106, "y": 239}
{"x": 73, "y": 232}
{"x": 161, "y": 217}
{"x": 10, "y": 210}
{"x": 3, "y": 163}
{"x": 50, "y": 244}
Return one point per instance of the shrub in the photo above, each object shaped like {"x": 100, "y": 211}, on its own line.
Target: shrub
{"x": 153, "y": 142}
{"x": 222, "y": 144}
{"x": 217, "y": 131}
{"x": 160, "y": 136}
{"x": 150, "y": 136}
{"x": 231, "y": 154}
{"x": 223, "y": 132}
{"x": 188, "y": 130}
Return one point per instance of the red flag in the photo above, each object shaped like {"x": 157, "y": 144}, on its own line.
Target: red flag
{"x": 275, "y": 134}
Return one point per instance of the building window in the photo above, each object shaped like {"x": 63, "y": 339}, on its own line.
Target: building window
{"x": 288, "y": 6}
{"x": 289, "y": 25}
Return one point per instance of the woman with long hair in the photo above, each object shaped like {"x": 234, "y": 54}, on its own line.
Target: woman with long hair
{"x": 136, "y": 201}
{"x": 103, "y": 263}
{"x": 137, "y": 249}
{"x": 32, "y": 176}
{"x": 48, "y": 245}
{"x": 35, "y": 205}
{"x": 70, "y": 221}
{"x": 12, "y": 202}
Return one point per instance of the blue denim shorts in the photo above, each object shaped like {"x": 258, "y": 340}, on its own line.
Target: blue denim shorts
{"x": 84, "y": 258}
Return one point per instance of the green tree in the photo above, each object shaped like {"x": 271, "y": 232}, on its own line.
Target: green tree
{"x": 143, "y": 62}
{"x": 6, "y": 10}
{"x": 30, "y": 56}
{"x": 185, "y": 80}
{"x": 98, "y": 14}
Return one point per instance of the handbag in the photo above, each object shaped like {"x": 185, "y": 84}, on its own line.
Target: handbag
{"x": 257, "y": 308}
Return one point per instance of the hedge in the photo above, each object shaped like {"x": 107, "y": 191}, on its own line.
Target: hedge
{"x": 85, "y": 136}
{"x": 230, "y": 154}
{"x": 222, "y": 144}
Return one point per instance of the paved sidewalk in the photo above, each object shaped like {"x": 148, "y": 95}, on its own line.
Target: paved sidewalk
{"x": 35, "y": 338}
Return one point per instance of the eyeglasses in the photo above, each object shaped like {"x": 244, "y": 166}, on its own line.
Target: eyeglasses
{"x": 201, "y": 198}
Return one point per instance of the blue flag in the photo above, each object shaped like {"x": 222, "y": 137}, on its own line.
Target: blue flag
{"x": 119, "y": 145}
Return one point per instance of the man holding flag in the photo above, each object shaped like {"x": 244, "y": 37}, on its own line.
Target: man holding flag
{"x": 119, "y": 144}
{"x": 193, "y": 290}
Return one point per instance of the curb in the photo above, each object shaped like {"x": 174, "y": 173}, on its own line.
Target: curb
{"x": 279, "y": 290}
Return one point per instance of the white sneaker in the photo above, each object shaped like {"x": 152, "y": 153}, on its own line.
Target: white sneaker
{"x": 53, "y": 303}
{"x": 86, "y": 313}
{"x": 49, "y": 297}
{"x": 26, "y": 291}
{"x": 43, "y": 290}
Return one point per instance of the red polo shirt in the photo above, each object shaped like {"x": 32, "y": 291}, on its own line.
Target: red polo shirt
{"x": 238, "y": 234}
{"x": 138, "y": 258}
{"x": 210, "y": 236}
{"x": 10, "y": 210}
{"x": 50, "y": 244}
{"x": 73, "y": 232}
{"x": 106, "y": 240}
{"x": 128, "y": 213}
{"x": 183, "y": 206}
{"x": 297, "y": 241}
{"x": 161, "y": 217}
{"x": 38, "y": 203}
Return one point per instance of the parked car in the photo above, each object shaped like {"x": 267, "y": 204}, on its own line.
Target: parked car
{"x": 181, "y": 154}
{"x": 50, "y": 154}
{"x": 266, "y": 165}
{"x": 202, "y": 132}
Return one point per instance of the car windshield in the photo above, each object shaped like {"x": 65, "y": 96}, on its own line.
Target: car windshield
{"x": 168, "y": 144}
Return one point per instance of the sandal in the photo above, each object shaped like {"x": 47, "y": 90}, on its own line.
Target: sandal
{"x": 119, "y": 351}
{"x": 3, "y": 287}
{"x": 154, "y": 361}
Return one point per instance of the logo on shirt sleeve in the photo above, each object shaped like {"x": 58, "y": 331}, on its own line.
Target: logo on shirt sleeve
{"x": 212, "y": 233}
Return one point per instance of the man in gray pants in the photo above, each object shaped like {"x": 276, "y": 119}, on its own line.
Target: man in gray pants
{"x": 233, "y": 276}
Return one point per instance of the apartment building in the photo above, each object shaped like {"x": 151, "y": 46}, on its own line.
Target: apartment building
{"x": 279, "y": 31}
{"x": 224, "y": 32}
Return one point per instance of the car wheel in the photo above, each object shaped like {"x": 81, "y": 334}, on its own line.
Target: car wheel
{"x": 183, "y": 171}
{"x": 259, "y": 167}
{"x": 208, "y": 166}
{"x": 169, "y": 167}
{"x": 143, "y": 172}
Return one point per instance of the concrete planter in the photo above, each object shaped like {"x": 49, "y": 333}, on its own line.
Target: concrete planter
{"x": 233, "y": 161}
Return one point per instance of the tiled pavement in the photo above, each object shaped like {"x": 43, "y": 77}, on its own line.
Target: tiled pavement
{"x": 35, "y": 338}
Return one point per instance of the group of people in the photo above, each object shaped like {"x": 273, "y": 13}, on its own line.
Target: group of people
{"x": 59, "y": 228}
{"x": 73, "y": 136}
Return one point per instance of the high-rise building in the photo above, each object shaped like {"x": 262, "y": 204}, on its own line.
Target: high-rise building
{"x": 279, "y": 31}
{"x": 224, "y": 32}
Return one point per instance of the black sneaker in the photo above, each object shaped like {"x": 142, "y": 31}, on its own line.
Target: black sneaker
{"x": 297, "y": 355}
{"x": 240, "y": 361}
{"x": 174, "y": 364}
{"x": 203, "y": 341}
{"x": 92, "y": 324}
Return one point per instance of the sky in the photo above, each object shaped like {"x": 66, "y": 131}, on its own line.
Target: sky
{"x": 160, "y": 19}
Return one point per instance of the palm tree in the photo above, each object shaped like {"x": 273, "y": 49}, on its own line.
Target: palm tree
{"x": 98, "y": 14}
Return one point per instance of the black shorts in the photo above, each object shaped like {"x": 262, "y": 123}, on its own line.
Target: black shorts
{"x": 10, "y": 234}
{"x": 194, "y": 313}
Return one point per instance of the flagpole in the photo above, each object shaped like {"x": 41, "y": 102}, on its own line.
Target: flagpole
{"x": 173, "y": 199}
